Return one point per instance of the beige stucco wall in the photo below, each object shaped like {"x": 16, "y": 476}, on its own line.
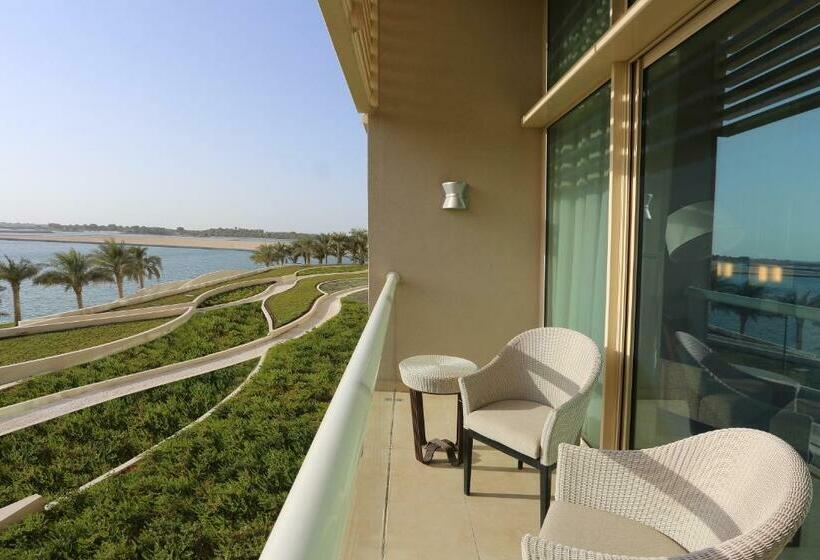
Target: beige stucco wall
{"x": 455, "y": 78}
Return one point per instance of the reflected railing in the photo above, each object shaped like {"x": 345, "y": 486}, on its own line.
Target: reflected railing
{"x": 314, "y": 517}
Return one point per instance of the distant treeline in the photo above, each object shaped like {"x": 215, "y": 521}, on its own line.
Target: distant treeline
{"x": 151, "y": 230}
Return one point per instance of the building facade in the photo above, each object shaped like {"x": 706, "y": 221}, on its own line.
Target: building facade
{"x": 645, "y": 172}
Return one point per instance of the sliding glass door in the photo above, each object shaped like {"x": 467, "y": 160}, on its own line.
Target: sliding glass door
{"x": 578, "y": 196}
{"x": 728, "y": 289}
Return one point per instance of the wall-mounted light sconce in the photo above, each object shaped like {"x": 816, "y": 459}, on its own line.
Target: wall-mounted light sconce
{"x": 454, "y": 195}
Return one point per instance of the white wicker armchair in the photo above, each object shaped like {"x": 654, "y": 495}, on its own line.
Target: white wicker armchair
{"x": 530, "y": 398}
{"x": 732, "y": 494}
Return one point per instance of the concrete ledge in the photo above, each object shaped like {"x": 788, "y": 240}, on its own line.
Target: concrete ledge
{"x": 304, "y": 271}
{"x": 10, "y": 416}
{"x": 42, "y": 366}
{"x": 93, "y": 321}
{"x": 19, "y": 510}
{"x": 132, "y": 300}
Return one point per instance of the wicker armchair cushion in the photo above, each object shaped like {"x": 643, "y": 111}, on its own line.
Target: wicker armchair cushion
{"x": 600, "y": 531}
{"x": 732, "y": 494}
{"x": 515, "y": 423}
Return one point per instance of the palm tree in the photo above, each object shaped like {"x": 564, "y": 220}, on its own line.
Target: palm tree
{"x": 265, "y": 254}
{"x": 303, "y": 247}
{"x": 291, "y": 252}
{"x": 357, "y": 245}
{"x": 144, "y": 265}
{"x": 15, "y": 272}
{"x": 321, "y": 247}
{"x": 117, "y": 260}
{"x": 337, "y": 245}
{"x": 281, "y": 251}
{"x": 74, "y": 271}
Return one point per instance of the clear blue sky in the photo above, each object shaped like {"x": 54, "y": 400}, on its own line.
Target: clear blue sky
{"x": 177, "y": 113}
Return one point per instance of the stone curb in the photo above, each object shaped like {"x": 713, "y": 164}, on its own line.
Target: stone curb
{"x": 41, "y": 366}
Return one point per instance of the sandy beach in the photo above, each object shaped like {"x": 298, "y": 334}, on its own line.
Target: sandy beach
{"x": 134, "y": 239}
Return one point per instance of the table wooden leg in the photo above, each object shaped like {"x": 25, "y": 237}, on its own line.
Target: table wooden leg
{"x": 459, "y": 429}
{"x": 417, "y": 413}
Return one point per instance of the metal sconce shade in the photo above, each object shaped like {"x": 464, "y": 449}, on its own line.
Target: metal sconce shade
{"x": 454, "y": 192}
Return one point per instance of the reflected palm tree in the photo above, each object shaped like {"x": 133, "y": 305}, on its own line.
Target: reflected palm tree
{"x": 807, "y": 299}
{"x": 744, "y": 314}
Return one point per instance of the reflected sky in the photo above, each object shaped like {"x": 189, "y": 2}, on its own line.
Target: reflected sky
{"x": 767, "y": 194}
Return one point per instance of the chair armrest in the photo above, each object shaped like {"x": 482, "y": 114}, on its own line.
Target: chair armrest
{"x": 563, "y": 426}
{"x": 483, "y": 387}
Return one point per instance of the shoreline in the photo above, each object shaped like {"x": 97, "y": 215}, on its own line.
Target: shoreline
{"x": 139, "y": 239}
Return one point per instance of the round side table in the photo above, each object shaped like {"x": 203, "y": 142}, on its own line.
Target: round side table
{"x": 436, "y": 375}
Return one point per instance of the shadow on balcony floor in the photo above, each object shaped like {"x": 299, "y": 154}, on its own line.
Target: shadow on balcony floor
{"x": 406, "y": 510}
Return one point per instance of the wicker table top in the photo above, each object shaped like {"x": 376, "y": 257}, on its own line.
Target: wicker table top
{"x": 435, "y": 374}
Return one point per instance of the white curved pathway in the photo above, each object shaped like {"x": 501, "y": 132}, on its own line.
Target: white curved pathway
{"x": 36, "y": 411}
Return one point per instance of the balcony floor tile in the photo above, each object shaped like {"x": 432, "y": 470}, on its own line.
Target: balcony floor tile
{"x": 424, "y": 513}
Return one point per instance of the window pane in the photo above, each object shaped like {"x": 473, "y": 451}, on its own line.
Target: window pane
{"x": 578, "y": 191}
{"x": 728, "y": 318}
{"x": 572, "y": 28}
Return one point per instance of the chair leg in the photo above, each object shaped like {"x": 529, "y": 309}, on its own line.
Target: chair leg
{"x": 467, "y": 439}
{"x": 520, "y": 465}
{"x": 545, "y": 490}
{"x": 459, "y": 430}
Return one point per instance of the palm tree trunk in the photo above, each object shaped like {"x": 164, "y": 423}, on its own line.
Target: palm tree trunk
{"x": 798, "y": 335}
{"x": 79, "y": 293}
{"x": 338, "y": 258}
{"x": 15, "y": 294}
{"x": 120, "y": 290}
{"x": 142, "y": 281}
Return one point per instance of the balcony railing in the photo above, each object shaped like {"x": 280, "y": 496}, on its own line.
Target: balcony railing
{"x": 314, "y": 518}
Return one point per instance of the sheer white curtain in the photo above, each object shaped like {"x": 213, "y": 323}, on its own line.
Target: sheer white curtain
{"x": 577, "y": 194}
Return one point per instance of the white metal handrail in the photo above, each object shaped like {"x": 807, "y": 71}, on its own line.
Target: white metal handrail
{"x": 314, "y": 518}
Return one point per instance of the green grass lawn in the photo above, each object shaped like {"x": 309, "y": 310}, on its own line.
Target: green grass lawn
{"x": 61, "y": 455}
{"x": 33, "y": 346}
{"x": 296, "y": 301}
{"x": 339, "y": 285}
{"x": 203, "y": 334}
{"x": 6, "y": 325}
{"x": 215, "y": 491}
{"x": 191, "y": 295}
{"x": 234, "y": 295}
{"x": 358, "y": 297}
{"x": 332, "y": 268}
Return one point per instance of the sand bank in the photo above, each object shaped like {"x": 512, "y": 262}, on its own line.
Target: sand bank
{"x": 135, "y": 239}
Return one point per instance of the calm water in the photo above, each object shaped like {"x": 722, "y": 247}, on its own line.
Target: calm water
{"x": 177, "y": 264}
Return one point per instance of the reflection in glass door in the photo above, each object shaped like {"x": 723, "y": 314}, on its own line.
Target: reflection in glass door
{"x": 578, "y": 204}
{"x": 728, "y": 296}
